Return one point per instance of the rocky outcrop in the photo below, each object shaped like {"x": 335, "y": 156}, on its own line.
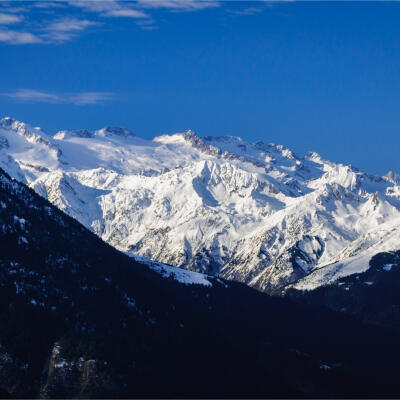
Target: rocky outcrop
{"x": 64, "y": 376}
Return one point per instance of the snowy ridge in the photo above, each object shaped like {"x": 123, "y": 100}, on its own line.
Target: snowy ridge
{"x": 252, "y": 212}
{"x": 355, "y": 257}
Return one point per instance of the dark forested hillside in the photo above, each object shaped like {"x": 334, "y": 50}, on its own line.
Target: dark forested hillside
{"x": 80, "y": 319}
{"x": 372, "y": 296}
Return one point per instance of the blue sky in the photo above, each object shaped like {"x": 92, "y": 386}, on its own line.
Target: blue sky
{"x": 319, "y": 76}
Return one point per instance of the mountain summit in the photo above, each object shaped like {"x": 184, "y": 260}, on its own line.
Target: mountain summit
{"x": 252, "y": 212}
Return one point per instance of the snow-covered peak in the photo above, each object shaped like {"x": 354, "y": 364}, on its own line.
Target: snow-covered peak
{"x": 256, "y": 151}
{"x": 191, "y": 139}
{"x": 7, "y": 122}
{"x": 20, "y": 127}
{"x": 393, "y": 177}
{"x": 24, "y": 145}
{"x": 114, "y": 131}
{"x": 313, "y": 156}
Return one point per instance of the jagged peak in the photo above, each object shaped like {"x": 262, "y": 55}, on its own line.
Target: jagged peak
{"x": 108, "y": 131}
{"x": 316, "y": 158}
{"x": 12, "y": 123}
{"x": 231, "y": 148}
{"x": 7, "y": 121}
{"x": 190, "y": 136}
{"x": 190, "y": 132}
{"x": 392, "y": 177}
{"x": 19, "y": 126}
{"x": 313, "y": 156}
{"x": 31, "y": 134}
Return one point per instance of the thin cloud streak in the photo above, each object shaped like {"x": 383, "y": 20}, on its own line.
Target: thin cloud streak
{"x": 70, "y": 24}
{"x": 49, "y": 4}
{"x": 14, "y": 9}
{"x": 7, "y": 19}
{"x": 110, "y": 8}
{"x": 86, "y": 98}
{"x": 33, "y": 96}
{"x": 80, "y": 99}
{"x": 246, "y": 11}
{"x": 178, "y": 5}
{"x": 18, "y": 38}
{"x": 127, "y": 12}
{"x": 63, "y": 30}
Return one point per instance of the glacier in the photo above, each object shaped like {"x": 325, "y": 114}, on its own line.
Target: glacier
{"x": 250, "y": 212}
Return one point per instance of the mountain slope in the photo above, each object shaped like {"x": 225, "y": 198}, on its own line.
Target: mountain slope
{"x": 80, "y": 319}
{"x": 250, "y": 212}
{"x": 372, "y": 296}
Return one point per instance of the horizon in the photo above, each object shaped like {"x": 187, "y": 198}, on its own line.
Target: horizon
{"x": 297, "y": 155}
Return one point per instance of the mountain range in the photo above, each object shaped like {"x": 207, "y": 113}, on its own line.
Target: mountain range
{"x": 125, "y": 267}
{"x": 255, "y": 213}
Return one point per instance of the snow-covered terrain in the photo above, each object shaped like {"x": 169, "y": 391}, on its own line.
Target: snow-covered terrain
{"x": 251, "y": 212}
{"x": 178, "y": 274}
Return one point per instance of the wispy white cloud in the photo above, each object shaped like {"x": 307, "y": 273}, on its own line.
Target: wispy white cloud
{"x": 117, "y": 9}
{"x": 70, "y": 25}
{"x": 111, "y": 8}
{"x": 17, "y": 37}
{"x": 49, "y": 4}
{"x": 65, "y": 29}
{"x": 80, "y": 99}
{"x": 245, "y": 11}
{"x": 147, "y": 24}
{"x": 66, "y": 22}
{"x": 33, "y": 96}
{"x": 14, "y": 9}
{"x": 57, "y": 31}
{"x": 127, "y": 12}
{"x": 139, "y": 9}
{"x": 91, "y": 98}
{"x": 8, "y": 19}
{"x": 178, "y": 5}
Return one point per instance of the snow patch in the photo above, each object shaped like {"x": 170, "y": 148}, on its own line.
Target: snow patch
{"x": 178, "y": 274}
{"x": 325, "y": 367}
{"x": 387, "y": 267}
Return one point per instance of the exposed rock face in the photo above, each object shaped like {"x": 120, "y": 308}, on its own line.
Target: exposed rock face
{"x": 74, "y": 378}
{"x": 252, "y": 212}
{"x": 4, "y": 143}
{"x": 110, "y": 131}
{"x": 82, "y": 133}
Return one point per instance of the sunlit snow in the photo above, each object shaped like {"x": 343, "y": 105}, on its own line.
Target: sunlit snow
{"x": 253, "y": 212}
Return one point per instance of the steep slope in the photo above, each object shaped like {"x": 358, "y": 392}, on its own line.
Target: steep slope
{"x": 250, "y": 212}
{"x": 80, "y": 319}
{"x": 372, "y": 296}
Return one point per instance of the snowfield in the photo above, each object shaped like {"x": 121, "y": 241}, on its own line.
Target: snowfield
{"x": 251, "y": 212}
